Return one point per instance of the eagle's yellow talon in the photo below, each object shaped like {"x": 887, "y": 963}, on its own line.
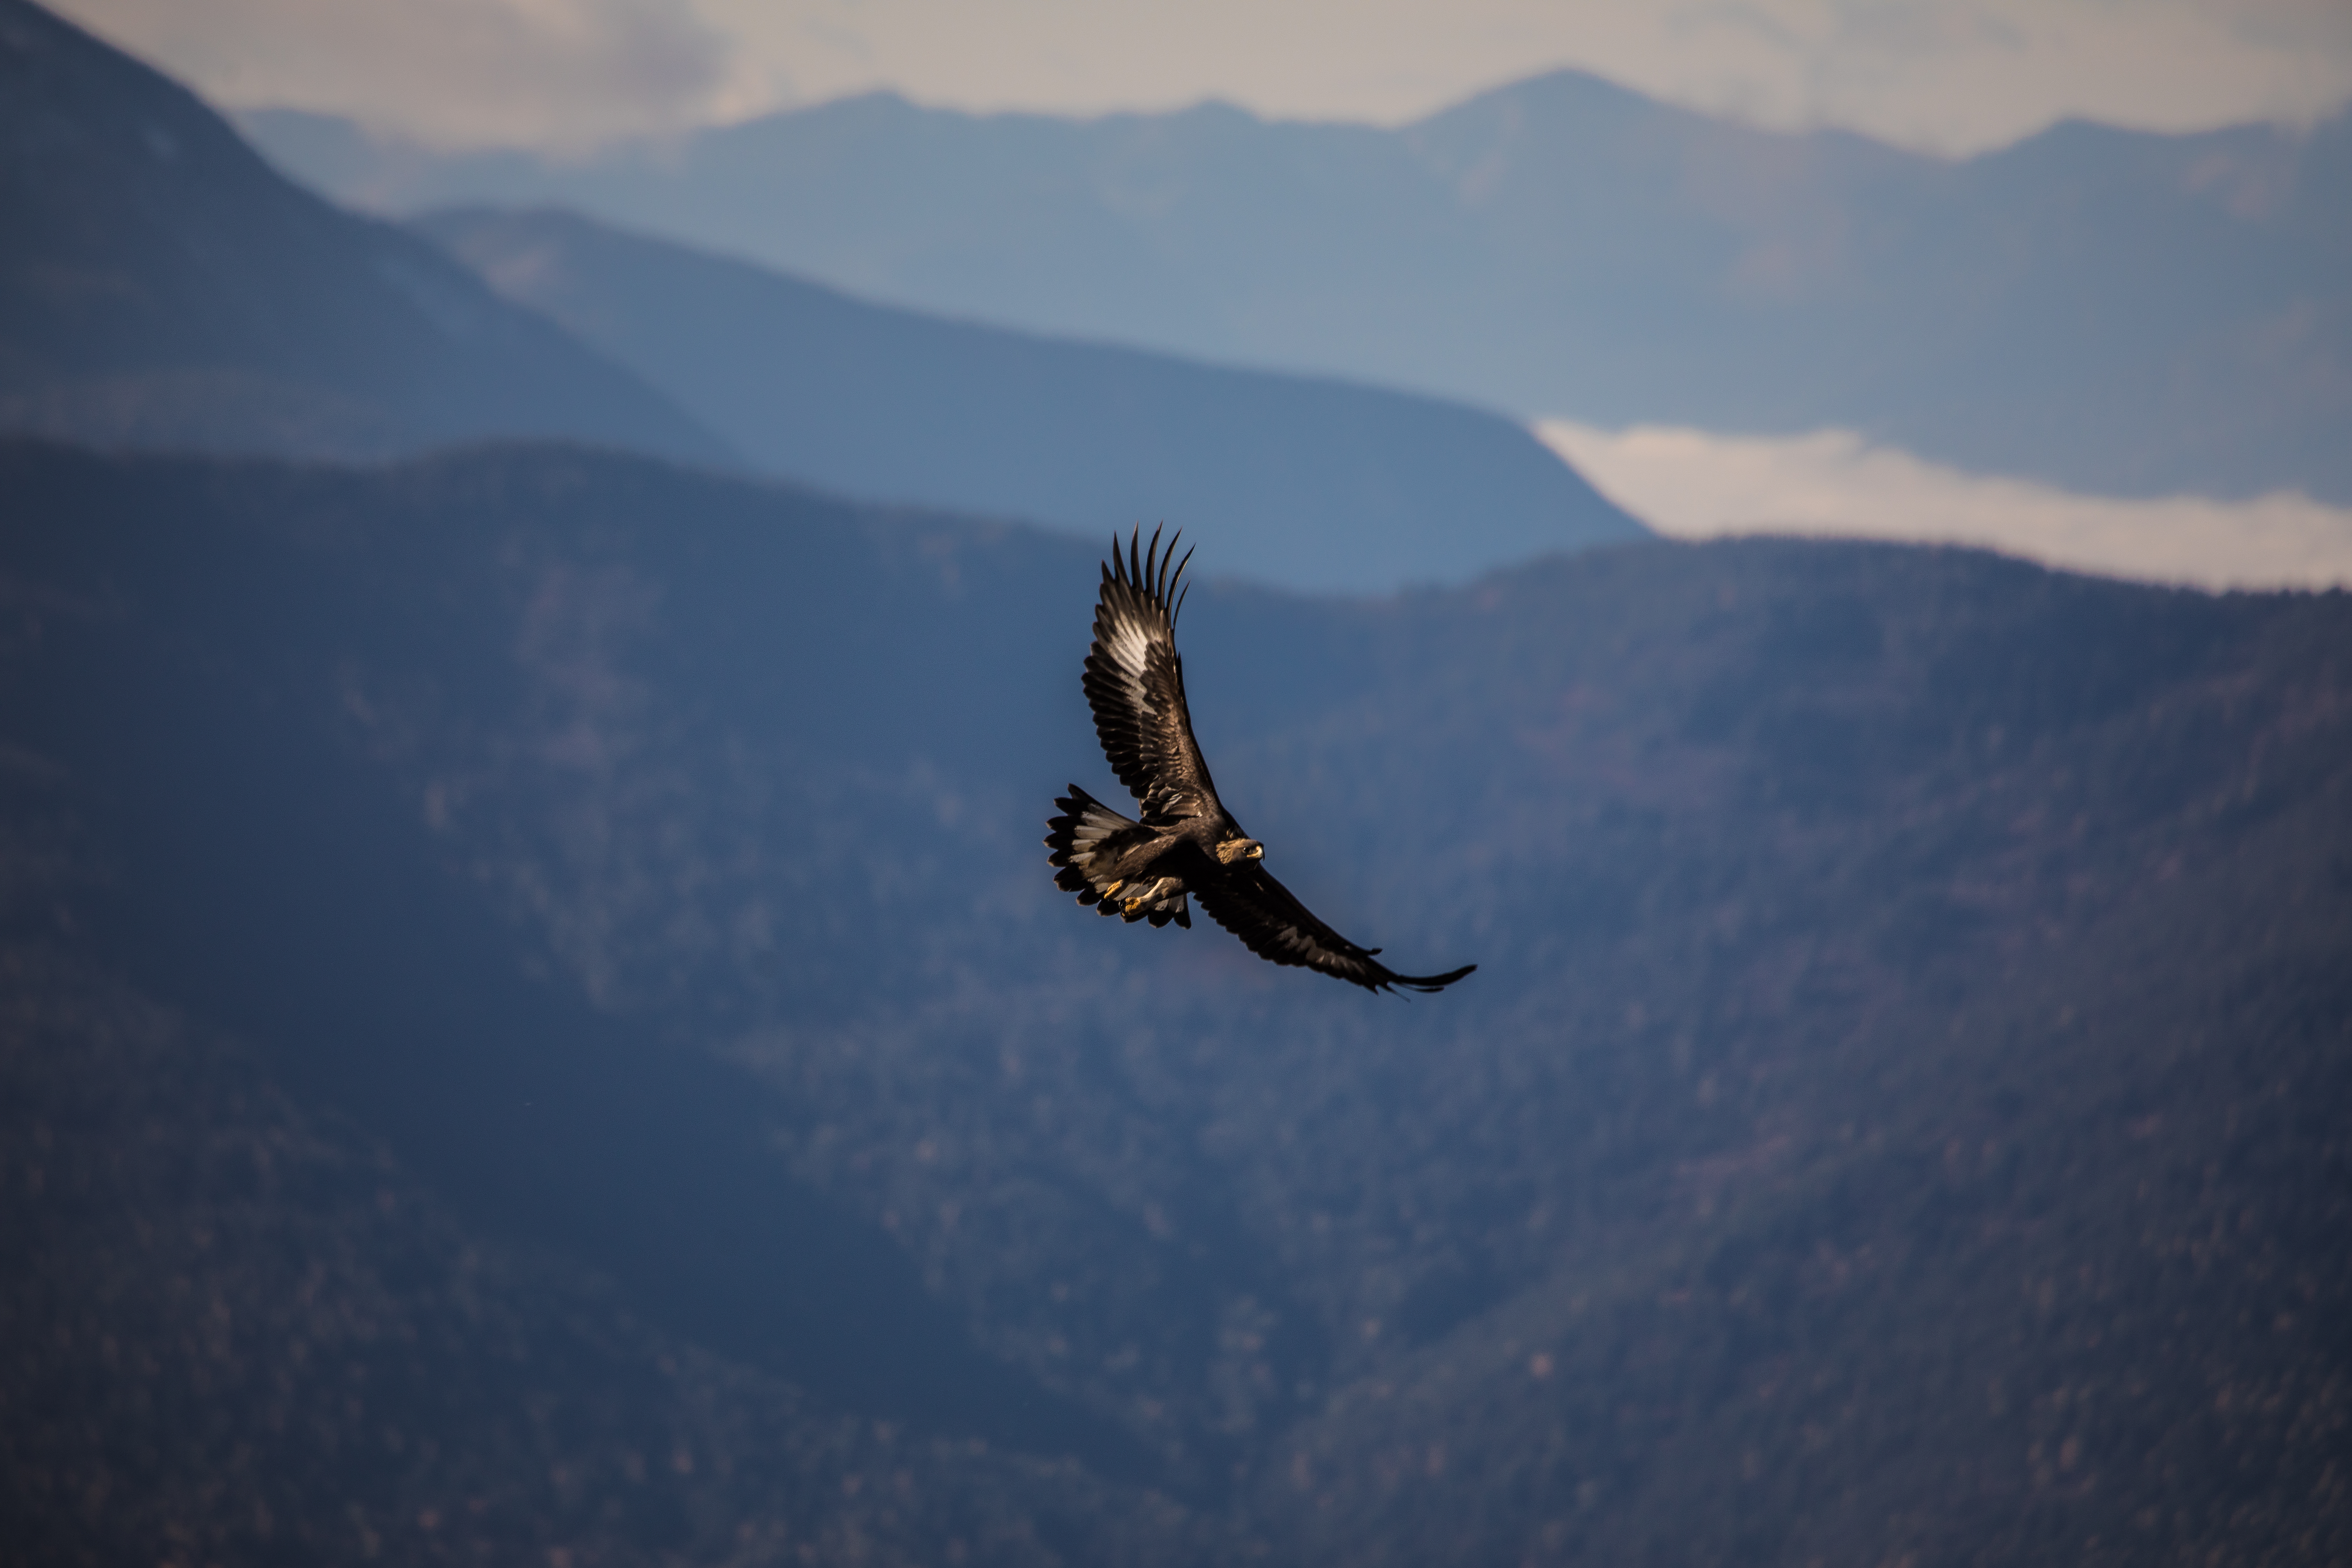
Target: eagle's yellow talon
{"x": 1131, "y": 905}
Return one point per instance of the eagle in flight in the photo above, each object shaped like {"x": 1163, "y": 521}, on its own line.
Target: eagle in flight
{"x": 1187, "y": 845}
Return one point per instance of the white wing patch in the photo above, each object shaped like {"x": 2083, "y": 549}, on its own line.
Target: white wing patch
{"x": 1134, "y": 683}
{"x": 1130, "y": 648}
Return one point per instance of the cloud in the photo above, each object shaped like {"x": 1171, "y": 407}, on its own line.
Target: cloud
{"x": 1690, "y": 484}
{"x": 1946, "y": 75}
{"x": 545, "y": 73}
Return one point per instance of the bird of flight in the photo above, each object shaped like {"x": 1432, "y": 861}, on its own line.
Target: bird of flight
{"x": 1188, "y": 844}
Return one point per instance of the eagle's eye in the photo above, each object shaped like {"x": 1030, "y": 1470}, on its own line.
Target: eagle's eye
{"x": 1234, "y": 850}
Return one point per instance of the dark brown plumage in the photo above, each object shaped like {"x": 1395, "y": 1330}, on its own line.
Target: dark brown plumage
{"x": 1187, "y": 845}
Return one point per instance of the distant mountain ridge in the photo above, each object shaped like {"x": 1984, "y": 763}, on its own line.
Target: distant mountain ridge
{"x": 2114, "y": 311}
{"x": 162, "y": 286}
{"x": 1313, "y": 485}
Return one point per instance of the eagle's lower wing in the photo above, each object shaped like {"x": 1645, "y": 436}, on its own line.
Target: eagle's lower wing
{"x": 1270, "y": 922}
{"x": 1135, "y": 684}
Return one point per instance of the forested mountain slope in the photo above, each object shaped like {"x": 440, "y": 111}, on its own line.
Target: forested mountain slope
{"x": 608, "y": 972}
{"x": 162, "y": 286}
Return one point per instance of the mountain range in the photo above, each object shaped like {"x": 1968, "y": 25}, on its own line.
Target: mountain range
{"x": 2115, "y": 311}
{"x": 535, "y": 1024}
{"x": 541, "y": 1027}
{"x": 1313, "y": 484}
{"x": 160, "y": 287}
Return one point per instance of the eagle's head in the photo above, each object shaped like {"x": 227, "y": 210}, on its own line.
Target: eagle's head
{"x": 1234, "y": 850}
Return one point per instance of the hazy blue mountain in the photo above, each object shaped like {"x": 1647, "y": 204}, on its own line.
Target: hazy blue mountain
{"x": 2113, "y": 311}
{"x": 538, "y": 1023}
{"x": 162, "y": 286}
{"x": 1310, "y": 484}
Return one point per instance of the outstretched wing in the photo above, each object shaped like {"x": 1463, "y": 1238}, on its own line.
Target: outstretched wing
{"x": 1135, "y": 684}
{"x": 1270, "y": 922}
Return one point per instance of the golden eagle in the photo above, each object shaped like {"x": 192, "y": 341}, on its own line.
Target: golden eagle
{"x": 1188, "y": 844}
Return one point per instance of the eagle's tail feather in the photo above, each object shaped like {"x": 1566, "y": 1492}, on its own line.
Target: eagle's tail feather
{"x": 1085, "y": 843}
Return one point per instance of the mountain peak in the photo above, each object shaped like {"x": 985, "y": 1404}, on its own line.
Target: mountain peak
{"x": 164, "y": 286}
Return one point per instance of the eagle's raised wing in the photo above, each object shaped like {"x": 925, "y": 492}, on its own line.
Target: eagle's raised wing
{"x": 1135, "y": 684}
{"x": 1270, "y": 922}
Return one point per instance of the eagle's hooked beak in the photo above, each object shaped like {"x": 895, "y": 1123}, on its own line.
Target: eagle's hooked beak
{"x": 1234, "y": 850}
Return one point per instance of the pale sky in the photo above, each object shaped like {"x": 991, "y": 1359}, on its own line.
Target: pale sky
{"x": 1692, "y": 484}
{"x": 1939, "y": 75}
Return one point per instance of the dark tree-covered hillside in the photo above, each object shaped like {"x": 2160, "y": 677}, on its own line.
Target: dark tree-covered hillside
{"x": 538, "y": 1024}
{"x": 162, "y": 287}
